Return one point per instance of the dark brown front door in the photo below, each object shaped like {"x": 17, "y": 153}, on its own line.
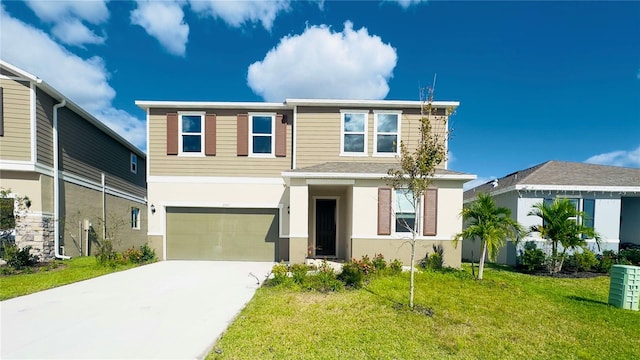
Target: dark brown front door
{"x": 325, "y": 227}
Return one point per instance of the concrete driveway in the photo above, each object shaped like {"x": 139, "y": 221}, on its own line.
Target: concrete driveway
{"x": 166, "y": 310}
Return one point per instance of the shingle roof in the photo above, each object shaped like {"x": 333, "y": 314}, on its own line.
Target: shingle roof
{"x": 563, "y": 173}
{"x": 361, "y": 168}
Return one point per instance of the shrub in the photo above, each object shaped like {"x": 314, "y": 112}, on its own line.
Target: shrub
{"x": 141, "y": 255}
{"x": 395, "y": 266}
{"x": 279, "y": 272}
{"x": 365, "y": 265}
{"x": 352, "y": 275}
{"x": 632, "y": 256}
{"x": 148, "y": 254}
{"x": 532, "y": 258}
{"x": 433, "y": 261}
{"x": 582, "y": 261}
{"x": 379, "y": 263}
{"x": 606, "y": 260}
{"x": 106, "y": 256}
{"x": 326, "y": 279}
{"x": 17, "y": 258}
{"x": 299, "y": 273}
{"x": 132, "y": 255}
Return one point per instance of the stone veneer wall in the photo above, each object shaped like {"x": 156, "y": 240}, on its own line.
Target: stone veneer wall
{"x": 37, "y": 231}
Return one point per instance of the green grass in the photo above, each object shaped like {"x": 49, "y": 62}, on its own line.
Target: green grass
{"x": 506, "y": 316}
{"x": 72, "y": 270}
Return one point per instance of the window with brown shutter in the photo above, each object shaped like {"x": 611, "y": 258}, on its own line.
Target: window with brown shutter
{"x": 430, "y": 220}
{"x": 210, "y": 135}
{"x": 243, "y": 135}
{"x": 281, "y": 136}
{"x": 384, "y": 211}
{"x": 172, "y": 134}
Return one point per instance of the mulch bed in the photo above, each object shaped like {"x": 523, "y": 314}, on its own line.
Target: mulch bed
{"x": 38, "y": 267}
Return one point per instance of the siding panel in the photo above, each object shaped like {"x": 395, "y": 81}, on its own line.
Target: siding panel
{"x": 225, "y": 163}
{"x": 86, "y": 151}
{"x": 44, "y": 128}
{"x": 318, "y": 131}
{"x": 15, "y": 144}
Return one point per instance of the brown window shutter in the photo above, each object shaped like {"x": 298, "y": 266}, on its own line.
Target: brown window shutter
{"x": 243, "y": 135}
{"x": 210, "y": 134}
{"x": 172, "y": 134}
{"x": 384, "y": 211}
{"x": 281, "y": 136}
{"x": 430, "y": 220}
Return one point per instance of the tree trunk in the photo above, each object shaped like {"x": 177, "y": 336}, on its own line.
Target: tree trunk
{"x": 481, "y": 262}
{"x": 413, "y": 256}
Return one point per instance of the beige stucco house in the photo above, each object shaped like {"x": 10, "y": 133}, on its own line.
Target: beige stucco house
{"x": 84, "y": 182}
{"x": 290, "y": 181}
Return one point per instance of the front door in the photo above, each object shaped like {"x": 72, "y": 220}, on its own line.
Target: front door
{"x": 326, "y": 227}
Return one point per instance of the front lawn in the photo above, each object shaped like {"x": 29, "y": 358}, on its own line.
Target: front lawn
{"x": 70, "y": 271}
{"x": 507, "y": 315}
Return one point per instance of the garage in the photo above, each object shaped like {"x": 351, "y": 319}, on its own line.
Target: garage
{"x": 222, "y": 234}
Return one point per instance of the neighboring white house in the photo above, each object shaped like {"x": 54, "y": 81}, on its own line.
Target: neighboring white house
{"x": 609, "y": 195}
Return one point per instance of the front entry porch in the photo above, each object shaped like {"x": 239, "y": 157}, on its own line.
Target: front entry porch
{"x": 329, "y": 222}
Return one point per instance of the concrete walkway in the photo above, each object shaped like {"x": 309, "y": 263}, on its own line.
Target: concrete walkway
{"x": 166, "y": 310}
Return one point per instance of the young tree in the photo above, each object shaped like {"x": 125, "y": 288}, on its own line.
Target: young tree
{"x": 561, "y": 224}
{"x": 418, "y": 167}
{"x": 491, "y": 224}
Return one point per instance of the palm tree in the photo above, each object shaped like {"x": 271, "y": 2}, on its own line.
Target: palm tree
{"x": 491, "y": 224}
{"x": 561, "y": 225}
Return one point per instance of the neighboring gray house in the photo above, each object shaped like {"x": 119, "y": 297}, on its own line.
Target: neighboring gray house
{"x": 609, "y": 195}
{"x": 84, "y": 181}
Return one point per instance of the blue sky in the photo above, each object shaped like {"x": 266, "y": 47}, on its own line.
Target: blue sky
{"x": 537, "y": 81}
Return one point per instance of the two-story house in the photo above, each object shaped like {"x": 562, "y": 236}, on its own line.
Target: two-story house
{"x": 83, "y": 181}
{"x": 289, "y": 181}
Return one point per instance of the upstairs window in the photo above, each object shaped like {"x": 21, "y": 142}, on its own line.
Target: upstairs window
{"x": 135, "y": 218}
{"x": 191, "y": 137}
{"x": 133, "y": 166}
{"x": 354, "y": 133}
{"x": 387, "y": 133}
{"x": 261, "y": 134}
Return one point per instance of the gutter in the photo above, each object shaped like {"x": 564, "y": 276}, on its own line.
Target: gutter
{"x": 56, "y": 182}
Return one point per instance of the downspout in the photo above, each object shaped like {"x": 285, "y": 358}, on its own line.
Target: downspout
{"x": 56, "y": 183}
{"x": 104, "y": 209}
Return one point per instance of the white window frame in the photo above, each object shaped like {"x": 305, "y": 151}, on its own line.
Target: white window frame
{"x": 376, "y": 133}
{"x": 395, "y": 212}
{"x": 201, "y": 133}
{"x": 365, "y": 152}
{"x": 272, "y": 154}
{"x": 133, "y": 163}
{"x": 135, "y": 218}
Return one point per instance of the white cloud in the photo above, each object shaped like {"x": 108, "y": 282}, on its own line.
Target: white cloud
{"x": 94, "y": 12}
{"x": 477, "y": 182}
{"x": 237, "y": 13}
{"x": 74, "y": 32}
{"x": 68, "y": 18}
{"x": 450, "y": 158}
{"x": 85, "y": 81}
{"x": 321, "y": 63}
{"x": 163, "y": 20}
{"x": 629, "y": 158}
{"x": 405, "y": 4}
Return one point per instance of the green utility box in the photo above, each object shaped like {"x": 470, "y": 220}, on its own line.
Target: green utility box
{"x": 625, "y": 286}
